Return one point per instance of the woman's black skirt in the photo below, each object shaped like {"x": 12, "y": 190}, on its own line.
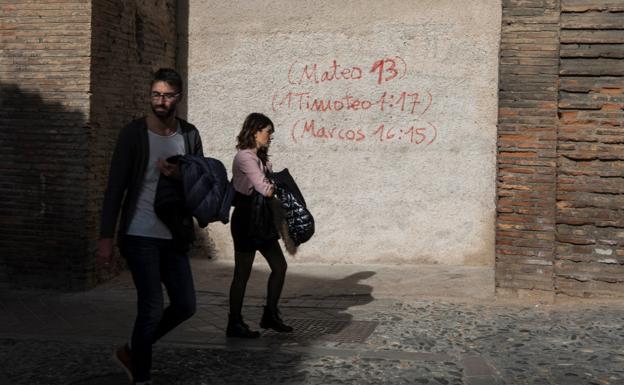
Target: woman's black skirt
{"x": 240, "y": 226}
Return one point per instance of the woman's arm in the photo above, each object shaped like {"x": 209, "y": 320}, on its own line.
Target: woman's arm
{"x": 251, "y": 167}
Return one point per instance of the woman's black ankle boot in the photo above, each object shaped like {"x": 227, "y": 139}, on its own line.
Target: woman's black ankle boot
{"x": 237, "y": 328}
{"x": 272, "y": 320}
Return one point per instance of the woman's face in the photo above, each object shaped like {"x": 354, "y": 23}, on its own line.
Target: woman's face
{"x": 263, "y": 137}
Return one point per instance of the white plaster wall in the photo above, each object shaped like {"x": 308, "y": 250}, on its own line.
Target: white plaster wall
{"x": 378, "y": 199}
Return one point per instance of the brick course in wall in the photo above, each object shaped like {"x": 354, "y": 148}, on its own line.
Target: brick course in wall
{"x": 527, "y": 142}
{"x": 72, "y": 73}
{"x": 560, "y": 219}
{"x": 590, "y": 178}
{"x": 130, "y": 40}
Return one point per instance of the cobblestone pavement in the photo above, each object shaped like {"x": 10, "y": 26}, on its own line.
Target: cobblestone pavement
{"x": 349, "y": 337}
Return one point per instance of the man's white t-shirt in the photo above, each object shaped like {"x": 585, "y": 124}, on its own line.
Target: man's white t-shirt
{"x": 144, "y": 221}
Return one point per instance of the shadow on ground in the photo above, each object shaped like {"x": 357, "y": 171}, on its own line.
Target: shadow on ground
{"x": 57, "y": 338}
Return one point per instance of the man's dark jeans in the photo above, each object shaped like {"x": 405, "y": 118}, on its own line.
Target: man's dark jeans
{"x": 152, "y": 261}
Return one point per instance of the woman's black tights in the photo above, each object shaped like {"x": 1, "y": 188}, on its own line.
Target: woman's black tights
{"x": 243, "y": 262}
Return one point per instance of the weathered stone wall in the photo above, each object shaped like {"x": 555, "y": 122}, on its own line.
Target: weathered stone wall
{"x": 561, "y": 168}
{"x": 44, "y": 104}
{"x": 385, "y": 113}
{"x": 72, "y": 73}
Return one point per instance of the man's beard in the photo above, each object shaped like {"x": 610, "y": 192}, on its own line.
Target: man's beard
{"x": 164, "y": 112}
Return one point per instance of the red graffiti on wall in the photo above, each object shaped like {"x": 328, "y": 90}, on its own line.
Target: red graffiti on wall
{"x": 414, "y": 103}
{"x": 410, "y": 134}
{"x": 386, "y": 69}
{"x": 389, "y": 103}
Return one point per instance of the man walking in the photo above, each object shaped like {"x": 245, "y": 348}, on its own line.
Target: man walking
{"x": 151, "y": 251}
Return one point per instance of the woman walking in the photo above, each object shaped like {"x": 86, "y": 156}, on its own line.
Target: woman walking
{"x": 251, "y": 164}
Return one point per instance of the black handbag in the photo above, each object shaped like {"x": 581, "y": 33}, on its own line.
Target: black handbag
{"x": 261, "y": 224}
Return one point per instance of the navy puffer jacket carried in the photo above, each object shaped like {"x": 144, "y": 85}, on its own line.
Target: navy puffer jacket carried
{"x": 207, "y": 191}
{"x": 204, "y": 193}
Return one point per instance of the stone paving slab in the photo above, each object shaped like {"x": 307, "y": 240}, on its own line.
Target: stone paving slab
{"x": 425, "y": 341}
{"x": 75, "y": 363}
{"x": 66, "y": 338}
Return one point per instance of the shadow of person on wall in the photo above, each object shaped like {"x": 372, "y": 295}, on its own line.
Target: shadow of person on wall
{"x": 44, "y": 143}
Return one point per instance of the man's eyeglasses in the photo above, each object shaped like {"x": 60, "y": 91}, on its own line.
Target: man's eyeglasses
{"x": 167, "y": 96}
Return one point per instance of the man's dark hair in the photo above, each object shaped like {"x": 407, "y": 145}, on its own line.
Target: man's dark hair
{"x": 169, "y": 76}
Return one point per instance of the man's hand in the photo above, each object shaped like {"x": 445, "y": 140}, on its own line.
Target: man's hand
{"x": 104, "y": 251}
{"x": 169, "y": 169}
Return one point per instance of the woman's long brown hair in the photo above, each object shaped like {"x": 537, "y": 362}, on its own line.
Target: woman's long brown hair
{"x": 247, "y": 137}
